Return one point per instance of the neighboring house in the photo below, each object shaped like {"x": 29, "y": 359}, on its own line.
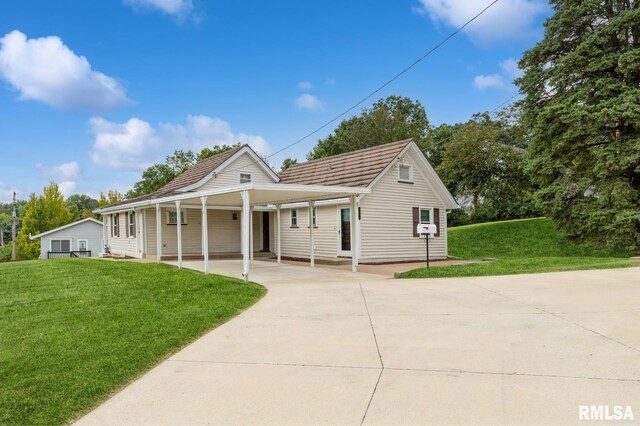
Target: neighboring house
{"x": 392, "y": 187}
{"x": 78, "y": 239}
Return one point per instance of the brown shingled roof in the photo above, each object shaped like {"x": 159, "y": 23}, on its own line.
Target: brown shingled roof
{"x": 357, "y": 168}
{"x": 190, "y": 176}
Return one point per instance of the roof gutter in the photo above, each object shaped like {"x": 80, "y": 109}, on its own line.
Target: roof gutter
{"x": 244, "y": 187}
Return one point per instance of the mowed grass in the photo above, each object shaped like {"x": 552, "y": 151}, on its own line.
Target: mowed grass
{"x": 73, "y": 331}
{"x": 520, "y": 246}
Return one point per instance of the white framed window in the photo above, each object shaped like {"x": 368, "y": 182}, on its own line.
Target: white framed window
{"x": 405, "y": 173}
{"x": 83, "y": 245}
{"x": 131, "y": 225}
{"x": 115, "y": 220}
{"x": 294, "y": 218}
{"x": 172, "y": 217}
{"x": 426, "y": 215}
{"x": 314, "y": 217}
{"x": 245, "y": 177}
{"x": 60, "y": 246}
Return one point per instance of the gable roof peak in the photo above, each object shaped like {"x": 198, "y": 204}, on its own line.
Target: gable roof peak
{"x": 355, "y": 168}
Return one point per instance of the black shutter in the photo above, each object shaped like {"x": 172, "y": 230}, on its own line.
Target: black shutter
{"x": 416, "y": 221}
{"x": 436, "y": 221}
{"x": 118, "y": 225}
{"x": 126, "y": 224}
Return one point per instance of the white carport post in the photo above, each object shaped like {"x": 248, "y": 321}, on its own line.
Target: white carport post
{"x": 354, "y": 237}
{"x": 179, "y": 232}
{"x": 312, "y": 259}
{"x": 278, "y": 245}
{"x": 105, "y": 234}
{"x": 205, "y": 235}
{"x": 158, "y": 233}
{"x": 246, "y": 212}
{"x": 251, "y": 234}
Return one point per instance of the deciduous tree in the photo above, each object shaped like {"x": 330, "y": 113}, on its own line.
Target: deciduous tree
{"x": 43, "y": 213}
{"x": 388, "y": 120}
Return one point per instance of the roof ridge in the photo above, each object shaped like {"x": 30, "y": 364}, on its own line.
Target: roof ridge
{"x": 371, "y": 148}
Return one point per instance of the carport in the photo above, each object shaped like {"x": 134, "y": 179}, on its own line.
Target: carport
{"x": 247, "y": 197}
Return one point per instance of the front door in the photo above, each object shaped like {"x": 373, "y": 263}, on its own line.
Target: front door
{"x": 345, "y": 231}
{"x": 82, "y": 245}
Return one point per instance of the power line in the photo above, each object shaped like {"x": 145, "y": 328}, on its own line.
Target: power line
{"x": 388, "y": 82}
{"x": 394, "y": 78}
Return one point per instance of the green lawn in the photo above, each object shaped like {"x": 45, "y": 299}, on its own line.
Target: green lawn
{"x": 520, "y": 246}
{"x": 74, "y": 331}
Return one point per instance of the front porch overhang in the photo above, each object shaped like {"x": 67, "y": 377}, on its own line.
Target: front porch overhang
{"x": 247, "y": 197}
{"x": 261, "y": 194}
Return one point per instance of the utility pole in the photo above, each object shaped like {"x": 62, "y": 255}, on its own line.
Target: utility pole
{"x": 13, "y": 229}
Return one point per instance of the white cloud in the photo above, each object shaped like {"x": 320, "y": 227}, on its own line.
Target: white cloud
{"x": 305, "y": 85}
{"x": 330, "y": 81}
{"x": 308, "y": 101}
{"x": 67, "y": 188}
{"x": 202, "y": 131}
{"x": 508, "y": 72}
{"x": 170, "y": 7}
{"x": 64, "y": 171}
{"x": 136, "y": 144}
{"x": 6, "y": 192}
{"x": 46, "y": 70}
{"x": 490, "y": 81}
{"x": 510, "y": 68}
{"x": 506, "y": 19}
{"x": 129, "y": 145}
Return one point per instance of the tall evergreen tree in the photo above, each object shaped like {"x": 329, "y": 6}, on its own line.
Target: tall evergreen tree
{"x": 582, "y": 86}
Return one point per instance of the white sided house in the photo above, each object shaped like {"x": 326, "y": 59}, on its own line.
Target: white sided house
{"x": 364, "y": 206}
{"x": 78, "y": 239}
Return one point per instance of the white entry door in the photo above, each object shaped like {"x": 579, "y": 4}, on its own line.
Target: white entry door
{"x": 344, "y": 231}
{"x": 83, "y": 245}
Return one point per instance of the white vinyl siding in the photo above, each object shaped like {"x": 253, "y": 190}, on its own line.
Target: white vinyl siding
{"x": 90, "y": 231}
{"x": 121, "y": 245}
{"x": 224, "y": 232}
{"x": 386, "y": 226}
{"x": 229, "y": 176}
{"x": 295, "y": 241}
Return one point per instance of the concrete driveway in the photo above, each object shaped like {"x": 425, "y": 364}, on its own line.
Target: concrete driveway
{"x": 326, "y": 346}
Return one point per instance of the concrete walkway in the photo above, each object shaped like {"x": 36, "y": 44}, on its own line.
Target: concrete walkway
{"x": 326, "y": 346}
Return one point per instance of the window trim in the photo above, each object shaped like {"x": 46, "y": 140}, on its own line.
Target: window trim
{"x": 291, "y": 218}
{"x": 60, "y": 239}
{"x": 131, "y": 226}
{"x": 408, "y": 166}
{"x": 183, "y": 217}
{"x": 430, "y": 210}
{"x": 246, "y": 174}
{"x": 86, "y": 240}
{"x": 115, "y": 225}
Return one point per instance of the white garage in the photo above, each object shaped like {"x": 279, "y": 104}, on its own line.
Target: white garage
{"x": 78, "y": 239}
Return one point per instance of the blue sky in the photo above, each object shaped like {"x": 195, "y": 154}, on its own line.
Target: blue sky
{"x": 93, "y": 92}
